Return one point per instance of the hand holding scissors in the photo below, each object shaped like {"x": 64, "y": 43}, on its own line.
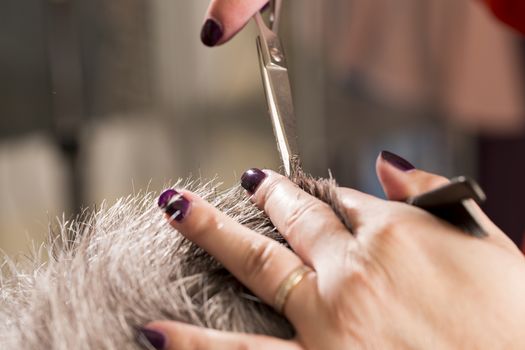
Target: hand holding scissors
{"x": 401, "y": 278}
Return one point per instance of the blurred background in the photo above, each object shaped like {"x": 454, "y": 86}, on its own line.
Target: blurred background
{"x": 100, "y": 99}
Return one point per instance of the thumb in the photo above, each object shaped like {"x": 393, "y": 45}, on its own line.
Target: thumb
{"x": 401, "y": 180}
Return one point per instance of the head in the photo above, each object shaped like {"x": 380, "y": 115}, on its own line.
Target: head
{"x": 115, "y": 268}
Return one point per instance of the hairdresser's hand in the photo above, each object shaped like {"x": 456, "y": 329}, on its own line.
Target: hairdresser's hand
{"x": 225, "y": 18}
{"x": 402, "y": 279}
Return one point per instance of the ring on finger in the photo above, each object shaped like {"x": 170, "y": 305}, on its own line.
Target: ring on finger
{"x": 288, "y": 284}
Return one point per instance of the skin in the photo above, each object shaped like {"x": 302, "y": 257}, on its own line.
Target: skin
{"x": 402, "y": 279}
{"x": 232, "y": 15}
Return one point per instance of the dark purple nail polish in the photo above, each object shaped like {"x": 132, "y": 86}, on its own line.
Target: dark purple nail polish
{"x": 174, "y": 204}
{"x": 211, "y": 32}
{"x": 155, "y": 338}
{"x": 251, "y": 179}
{"x": 397, "y": 161}
{"x": 165, "y": 197}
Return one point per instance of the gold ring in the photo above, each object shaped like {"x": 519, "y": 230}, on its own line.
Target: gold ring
{"x": 286, "y": 286}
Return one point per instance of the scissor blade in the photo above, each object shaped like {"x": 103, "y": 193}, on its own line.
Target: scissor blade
{"x": 280, "y": 105}
{"x": 276, "y": 14}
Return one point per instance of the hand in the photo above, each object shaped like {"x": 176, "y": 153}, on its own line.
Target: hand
{"x": 225, "y": 18}
{"x": 402, "y": 279}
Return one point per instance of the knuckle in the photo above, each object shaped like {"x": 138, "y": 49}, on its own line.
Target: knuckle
{"x": 394, "y": 233}
{"x": 358, "y": 277}
{"x": 273, "y": 185}
{"x": 392, "y": 222}
{"x": 392, "y": 230}
{"x": 258, "y": 258}
{"x": 357, "y": 273}
{"x": 301, "y": 213}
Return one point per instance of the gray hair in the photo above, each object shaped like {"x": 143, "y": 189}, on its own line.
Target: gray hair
{"x": 115, "y": 268}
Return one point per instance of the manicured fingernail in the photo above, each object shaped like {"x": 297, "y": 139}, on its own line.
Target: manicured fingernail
{"x": 397, "y": 161}
{"x": 155, "y": 338}
{"x": 174, "y": 204}
{"x": 251, "y": 179}
{"x": 165, "y": 197}
{"x": 211, "y": 32}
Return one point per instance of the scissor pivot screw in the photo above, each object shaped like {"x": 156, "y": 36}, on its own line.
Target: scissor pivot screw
{"x": 276, "y": 54}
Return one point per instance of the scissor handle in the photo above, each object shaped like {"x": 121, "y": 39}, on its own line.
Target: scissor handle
{"x": 273, "y": 8}
{"x": 450, "y": 203}
{"x": 275, "y": 14}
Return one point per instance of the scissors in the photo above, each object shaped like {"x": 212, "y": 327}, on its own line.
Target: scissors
{"x": 451, "y": 202}
{"x": 274, "y": 72}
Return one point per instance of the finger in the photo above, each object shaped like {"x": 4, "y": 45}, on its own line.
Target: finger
{"x": 225, "y": 18}
{"x": 171, "y": 335}
{"x": 310, "y": 226}
{"x": 257, "y": 261}
{"x": 400, "y": 180}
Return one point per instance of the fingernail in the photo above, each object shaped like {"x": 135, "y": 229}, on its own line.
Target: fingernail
{"x": 174, "y": 204}
{"x": 397, "y": 161}
{"x": 155, "y": 338}
{"x": 165, "y": 197}
{"x": 251, "y": 179}
{"x": 211, "y": 32}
